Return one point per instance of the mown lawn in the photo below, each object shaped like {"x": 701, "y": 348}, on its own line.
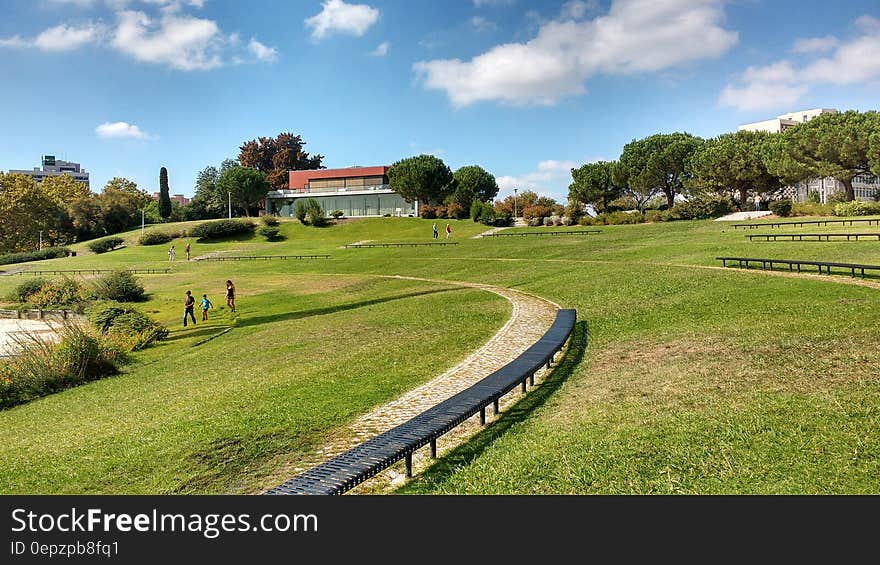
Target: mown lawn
{"x": 683, "y": 377}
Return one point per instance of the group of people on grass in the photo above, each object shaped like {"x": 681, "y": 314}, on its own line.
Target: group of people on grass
{"x": 171, "y": 253}
{"x": 189, "y": 304}
{"x": 437, "y": 234}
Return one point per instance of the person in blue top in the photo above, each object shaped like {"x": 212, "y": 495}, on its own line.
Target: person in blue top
{"x": 205, "y": 305}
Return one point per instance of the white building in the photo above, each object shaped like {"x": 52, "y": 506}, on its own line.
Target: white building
{"x": 864, "y": 186}
{"x": 55, "y": 167}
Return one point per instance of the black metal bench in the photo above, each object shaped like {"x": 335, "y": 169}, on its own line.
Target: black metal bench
{"x": 525, "y": 233}
{"x": 745, "y": 262}
{"x": 811, "y": 236}
{"x": 266, "y": 257}
{"x": 869, "y": 221}
{"x": 404, "y": 244}
{"x": 360, "y": 463}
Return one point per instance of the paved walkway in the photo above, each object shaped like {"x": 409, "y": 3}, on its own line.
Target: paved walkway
{"x": 742, "y": 216}
{"x": 489, "y": 232}
{"x": 530, "y": 319}
{"x": 10, "y": 330}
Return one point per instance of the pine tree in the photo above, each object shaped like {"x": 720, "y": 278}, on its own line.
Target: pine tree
{"x": 164, "y": 197}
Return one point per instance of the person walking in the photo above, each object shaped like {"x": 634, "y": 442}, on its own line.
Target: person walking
{"x": 186, "y": 250}
{"x": 171, "y": 254}
{"x": 230, "y": 295}
{"x": 757, "y": 202}
{"x": 448, "y": 231}
{"x": 205, "y": 305}
{"x": 188, "y": 306}
{"x": 434, "y": 228}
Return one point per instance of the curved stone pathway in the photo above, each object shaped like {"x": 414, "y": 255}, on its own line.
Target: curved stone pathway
{"x": 530, "y": 319}
{"x": 13, "y": 331}
{"x": 490, "y": 232}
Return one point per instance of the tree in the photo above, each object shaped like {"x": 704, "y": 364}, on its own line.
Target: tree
{"x": 164, "y": 196}
{"x": 121, "y": 203}
{"x": 524, "y": 199}
{"x": 247, "y": 186}
{"x": 657, "y": 164}
{"x": 25, "y": 210}
{"x": 874, "y": 152}
{"x": 425, "y": 177}
{"x": 276, "y": 156}
{"x": 734, "y": 162}
{"x": 472, "y": 183}
{"x": 829, "y": 145}
{"x": 593, "y": 184}
{"x": 63, "y": 190}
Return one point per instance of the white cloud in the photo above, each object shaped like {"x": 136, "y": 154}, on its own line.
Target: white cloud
{"x": 577, "y": 9}
{"x": 381, "y": 50}
{"x": 337, "y": 16}
{"x": 262, "y": 52}
{"x": 79, "y": 3}
{"x": 635, "y": 36}
{"x": 120, "y": 130}
{"x": 815, "y": 44}
{"x": 182, "y": 42}
{"x": 481, "y": 3}
{"x": 59, "y": 38}
{"x": 481, "y": 24}
{"x": 781, "y": 84}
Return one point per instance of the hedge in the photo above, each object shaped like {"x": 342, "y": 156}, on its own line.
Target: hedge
{"x": 221, "y": 228}
{"x": 154, "y": 238}
{"x": 105, "y": 245}
{"x": 24, "y": 257}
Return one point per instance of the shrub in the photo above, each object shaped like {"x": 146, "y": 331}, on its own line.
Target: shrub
{"x": 336, "y": 214}
{"x": 573, "y": 211}
{"x": 428, "y": 212}
{"x": 269, "y": 220}
{"x": 536, "y": 222}
{"x": 501, "y": 219}
{"x": 837, "y": 197}
{"x": 781, "y": 207}
{"x": 536, "y": 211}
{"x": 269, "y": 232}
{"x": 456, "y": 211}
{"x": 154, "y": 238}
{"x": 24, "y": 257}
{"x": 856, "y": 208}
{"x": 587, "y": 220}
{"x": 703, "y": 207}
{"x": 59, "y": 293}
{"x": 126, "y": 327}
{"x": 315, "y": 213}
{"x": 620, "y": 218}
{"x": 26, "y": 289}
{"x": 299, "y": 210}
{"x": 219, "y": 229}
{"x": 106, "y": 244}
{"x": 476, "y": 210}
{"x": 654, "y": 216}
{"x": 42, "y": 367}
{"x": 812, "y": 209}
{"x": 442, "y": 211}
{"x": 813, "y": 197}
{"x": 120, "y": 286}
{"x": 567, "y": 221}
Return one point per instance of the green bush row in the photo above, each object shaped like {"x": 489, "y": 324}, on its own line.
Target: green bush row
{"x": 120, "y": 286}
{"x": 219, "y": 229}
{"x": 128, "y": 328}
{"x": 105, "y": 244}
{"x": 26, "y": 256}
{"x": 856, "y": 208}
{"x": 154, "y": 238}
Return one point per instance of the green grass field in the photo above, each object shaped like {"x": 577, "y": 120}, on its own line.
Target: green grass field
{"x": 682, "y": 377}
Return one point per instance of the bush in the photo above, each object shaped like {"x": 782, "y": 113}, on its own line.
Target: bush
{"x": 500, "y": 219}
{"x": 299, "y": 210}
{"x": 813, "y": 197}
{"x": 428, "y": 212}
{"x": 315, "y": 213}
{"x": 567, "y": 221}
{"x": 442, "y": 211}
{"x": 837, "y": 197}
{"x": 126, "y": 327}
{"x": 456, "y": 211}
{"x": 703, "y": 207}
{"x": 219, "y": 229}
{"x": 42, "y": 367}
{"x": 48, "y": 253}
{"x": 621, "y": 218}
{"x": 781, "y": 207}
{"x": 536, "y": 222}
{"x": 26, "y": 289}
{"x": 587, "y": 220}
{"x": 120, "y": 286}
{"x": 336, "y": 214}
{"x": 476, "y": 210}
{"x": 536, "y": 211}
{"x": 269, "y": 232}
{"x": 59, "y": 293}
{"x": 812, "y": 209}
{"x": 105, "y": 245}
{"x": 269, "y": 220}
{"x": 856, "y": 208}
{"x": 154, "y": 238}
{"x": 654, "y": 216}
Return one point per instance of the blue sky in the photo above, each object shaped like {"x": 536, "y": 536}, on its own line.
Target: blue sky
{"x": 526, "y": 89}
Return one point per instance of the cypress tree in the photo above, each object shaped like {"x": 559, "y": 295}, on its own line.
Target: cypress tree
{"x": 164, "y": 196}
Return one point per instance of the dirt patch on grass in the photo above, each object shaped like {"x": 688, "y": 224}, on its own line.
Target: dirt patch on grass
{"x": 692, "y": 373}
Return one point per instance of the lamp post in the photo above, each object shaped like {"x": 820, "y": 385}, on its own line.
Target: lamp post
{"x": 41, "y": 240}
{"x": 229, "y": 204}
{"x": 514, "y": 204}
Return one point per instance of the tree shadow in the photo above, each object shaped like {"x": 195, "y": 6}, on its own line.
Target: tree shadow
{"x": 461, "y": 456}
{"x": 186, "y": 333}
{"x": 286, "y": 316}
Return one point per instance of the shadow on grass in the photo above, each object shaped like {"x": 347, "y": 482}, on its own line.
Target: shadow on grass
{"x": 463, "y": 455}
{"x": 285, "y": 316}
{"x": 186, "y": 333}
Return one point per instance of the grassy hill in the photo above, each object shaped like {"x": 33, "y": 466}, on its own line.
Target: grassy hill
{"x": 691, "y": 378}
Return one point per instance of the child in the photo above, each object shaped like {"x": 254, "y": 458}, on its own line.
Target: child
{"x": 205, "y": 305}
